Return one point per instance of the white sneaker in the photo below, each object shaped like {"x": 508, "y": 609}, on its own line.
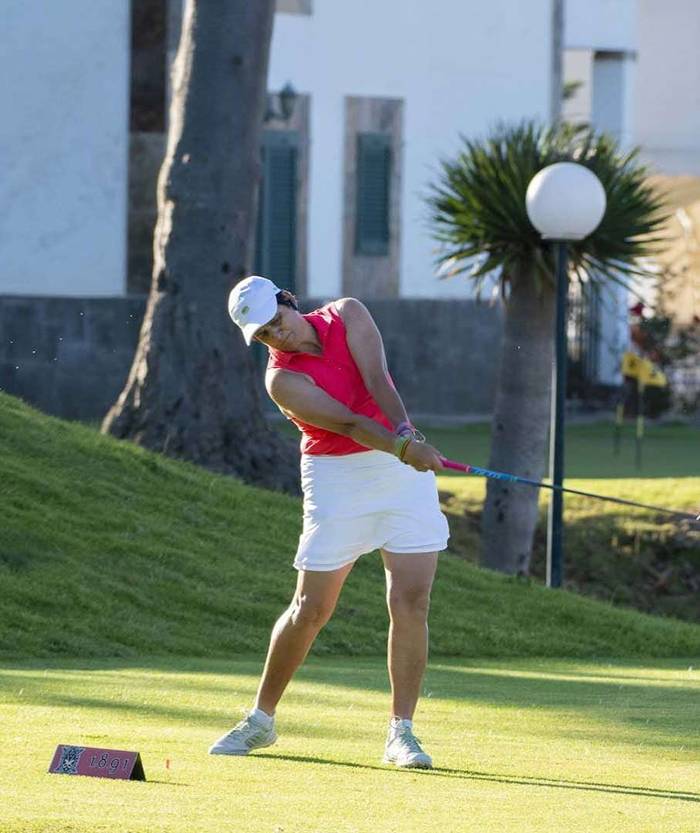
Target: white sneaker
{"x": 403, "y": 748}
{"x": 245, "y": 736}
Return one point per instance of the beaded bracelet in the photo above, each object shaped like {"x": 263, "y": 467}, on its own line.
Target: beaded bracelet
{"x": 405, "y": 429}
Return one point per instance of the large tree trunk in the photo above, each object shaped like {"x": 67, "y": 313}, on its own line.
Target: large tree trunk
{"x": 520, "y": 425}
{"x": 190, "y": 393}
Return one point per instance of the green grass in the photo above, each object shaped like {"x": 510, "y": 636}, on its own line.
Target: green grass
{"x": 164, "y": 580}
{"x": 614, "y": 553}
{"x": 110, "y": 550}
{"x": 519, "y": 747}
{"x": 668, "y": 450}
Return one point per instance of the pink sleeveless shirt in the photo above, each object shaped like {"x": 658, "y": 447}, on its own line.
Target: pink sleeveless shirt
{"x": 335, "y": 372}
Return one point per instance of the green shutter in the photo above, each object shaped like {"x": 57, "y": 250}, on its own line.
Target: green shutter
{"x": 275, "y": 244}
{"x": 373, "y": 183}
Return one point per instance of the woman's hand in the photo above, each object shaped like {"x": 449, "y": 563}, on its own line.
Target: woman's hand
{"x": 422, "y": 457}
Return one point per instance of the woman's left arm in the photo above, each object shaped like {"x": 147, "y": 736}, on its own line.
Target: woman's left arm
{"x": 367, "y": 348}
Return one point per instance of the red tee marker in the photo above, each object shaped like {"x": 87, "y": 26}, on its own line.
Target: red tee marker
{"x": 100, "y": 763}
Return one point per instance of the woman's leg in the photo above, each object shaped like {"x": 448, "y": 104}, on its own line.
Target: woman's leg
{"x": 294, "y": 632}
{"x": 409, "y": 579}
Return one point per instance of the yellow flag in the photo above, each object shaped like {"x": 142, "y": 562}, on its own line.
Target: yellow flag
{"x": 643, "y": 370}
{"x": 631, "y": 365}
{"x": 652, "y": 377}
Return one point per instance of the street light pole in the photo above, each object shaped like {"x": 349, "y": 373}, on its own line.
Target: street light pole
{"x": 555, "y": 532}
{"x": 565, "y": 202}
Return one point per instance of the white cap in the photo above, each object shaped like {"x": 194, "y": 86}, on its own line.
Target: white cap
{"x": 252, "y": 303}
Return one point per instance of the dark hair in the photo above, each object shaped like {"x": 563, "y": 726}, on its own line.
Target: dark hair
{"x": 286, "y": 298}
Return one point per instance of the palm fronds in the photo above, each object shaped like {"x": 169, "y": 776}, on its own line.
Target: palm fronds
{"x": 478, "y": 212}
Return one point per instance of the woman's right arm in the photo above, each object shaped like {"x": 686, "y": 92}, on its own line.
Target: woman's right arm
{"x": 301, "y": 398}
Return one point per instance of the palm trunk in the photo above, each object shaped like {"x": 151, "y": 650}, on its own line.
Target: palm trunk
{"x": 190, "y": 392}
{"x": 520, "y": 425}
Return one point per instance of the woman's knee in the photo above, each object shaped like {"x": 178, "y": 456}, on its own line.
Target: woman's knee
{"x": 311, "y": 611}
{"x": 408, "y": 602}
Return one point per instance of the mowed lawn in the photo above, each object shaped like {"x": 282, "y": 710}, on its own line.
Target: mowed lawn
{"x": 519, "y": 746}
{"x": 165, "y": 580}
{"x": 669, "y": 450}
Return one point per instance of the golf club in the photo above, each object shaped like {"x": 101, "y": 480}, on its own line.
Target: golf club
{"x": 512, "y": 478}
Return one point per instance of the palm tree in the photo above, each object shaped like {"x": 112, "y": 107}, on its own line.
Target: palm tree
{"x": 478, "y": 214}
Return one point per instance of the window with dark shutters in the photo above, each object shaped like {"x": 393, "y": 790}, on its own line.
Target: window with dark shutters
{"x": 275, "y": 243}
{"x": 373, "y": 181}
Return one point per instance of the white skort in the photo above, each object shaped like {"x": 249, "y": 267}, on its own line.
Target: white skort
{"x": 357, "y": 503}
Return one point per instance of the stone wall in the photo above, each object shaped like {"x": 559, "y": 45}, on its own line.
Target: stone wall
{"x": 68, "y": 356}
{"x": 71, "y": 356}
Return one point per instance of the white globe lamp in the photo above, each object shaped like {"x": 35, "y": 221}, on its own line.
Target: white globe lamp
{"x": 565, "y": 201}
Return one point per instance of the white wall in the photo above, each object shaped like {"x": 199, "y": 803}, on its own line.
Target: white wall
{"x": 667, "y": 112}
{"x": 612, "y": 95}
{"x": 460, "y": 66}
{"x": 578, "y": 66}
{"x": 64, "y": 139}
{"x": 602, "y": 24}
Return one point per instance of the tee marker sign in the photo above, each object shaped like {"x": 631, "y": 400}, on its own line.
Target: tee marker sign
{"x": 100, "y": 763}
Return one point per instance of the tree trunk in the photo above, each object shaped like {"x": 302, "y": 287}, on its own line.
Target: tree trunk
{"x": 190, "y": 393}
{"x": 520, "y": 426}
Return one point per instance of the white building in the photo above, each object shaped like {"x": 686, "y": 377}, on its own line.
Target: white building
{"x": 64, "y": 139}
{"x": 420, "y": 74}
{"x": 385, "y": 87}
{"x": 639, "y": 77}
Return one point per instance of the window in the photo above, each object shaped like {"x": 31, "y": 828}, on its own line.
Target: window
{"x": 372, "y": 194}
{"x": 276, "y": 237}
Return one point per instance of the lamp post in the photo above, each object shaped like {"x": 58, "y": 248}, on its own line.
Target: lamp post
{"x": 565, "y": 202}
{"x": 287, "y": 98}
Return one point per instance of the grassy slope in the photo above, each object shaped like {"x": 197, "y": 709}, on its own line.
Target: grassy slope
{"x": 617, "y": 554}
{"x": 640, "y": 559}
{"x": 627, "y": 556}
{"x": 106, "y": 549}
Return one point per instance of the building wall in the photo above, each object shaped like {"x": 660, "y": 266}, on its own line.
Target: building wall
{"x": 667, "y": 111}
{"x": 71, "y": 356}
{"x": 578, "y": 67}
{"x": 458, "y": 67}
{"x": 658, "y": 83}
{"x": 601, "y": 42}
{"x": 609, "y": 25}
{"x": 64, "y": 142}
{"x": 68, "y": 356}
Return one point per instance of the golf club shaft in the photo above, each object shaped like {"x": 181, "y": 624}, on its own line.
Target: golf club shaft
{"x": 512, "y": 478}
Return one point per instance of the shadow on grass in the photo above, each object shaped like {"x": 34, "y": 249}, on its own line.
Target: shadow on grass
{"x": 521, "y": 780}
{"x": 658, "y": 714}
{"x": 669, "y": 711}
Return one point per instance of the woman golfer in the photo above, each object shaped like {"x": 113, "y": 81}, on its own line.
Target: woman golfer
{"x": 368, "y": 484}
